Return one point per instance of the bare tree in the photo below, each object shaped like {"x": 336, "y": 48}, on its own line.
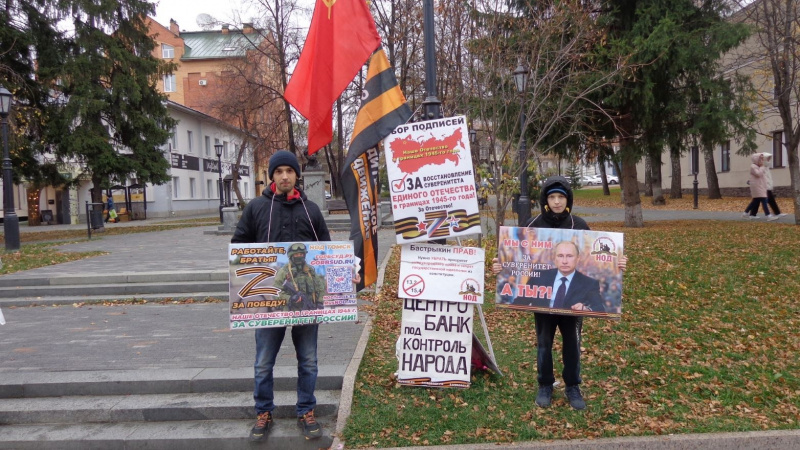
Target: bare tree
{"x": 552, "y": 41}
{"x": 773, "y": 57}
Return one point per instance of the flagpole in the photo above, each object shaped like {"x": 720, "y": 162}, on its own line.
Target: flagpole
{"x": 432, "y": 105}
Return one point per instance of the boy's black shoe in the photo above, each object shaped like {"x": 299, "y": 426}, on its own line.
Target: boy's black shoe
{"x": 575, "y": 398}
{"x": 544, "y": 396}
{"x": 308, "y": 423}
{"x": 261, "y": 428}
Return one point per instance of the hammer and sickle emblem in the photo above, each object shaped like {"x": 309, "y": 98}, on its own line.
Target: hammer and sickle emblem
{"x": 329, "y": 4}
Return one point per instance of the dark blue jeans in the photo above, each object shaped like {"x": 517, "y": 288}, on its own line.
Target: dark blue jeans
{"x": 268, "y": 343}
{"x": 570, "y": 327}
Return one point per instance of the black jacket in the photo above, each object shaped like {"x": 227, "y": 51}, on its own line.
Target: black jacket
{"x": 274, "y": 218}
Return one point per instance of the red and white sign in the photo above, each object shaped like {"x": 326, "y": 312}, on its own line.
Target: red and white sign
{"x": 442, "y": 272}
{"x": 432, "y": 180}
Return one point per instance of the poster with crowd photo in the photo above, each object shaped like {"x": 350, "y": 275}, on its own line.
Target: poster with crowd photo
{"x": 571, "y": 272}
{"x": 442, "y": 272}
{"x": 435, "y": 344}
{"x": 432, "y": 180}
{"x": 291, "y": 283}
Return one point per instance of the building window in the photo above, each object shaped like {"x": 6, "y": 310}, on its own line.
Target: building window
{"x": 246, "y": 192}
{"x": 189, "y": 138}
{"x": 167, "y": 51}
{"x": 209, "y": 189}
{"x": 208, "y": 146}
{"x": 225, "y": 149}
{"x": 777, "y": 149}
{"x": 192, "y": 188}
{"x": 176, "y": 187}
{"x": 725, "y": 156}
{"x": 694, "y": 163}
{"x": 173, "y": 139}
{"x": 169, "y": 83}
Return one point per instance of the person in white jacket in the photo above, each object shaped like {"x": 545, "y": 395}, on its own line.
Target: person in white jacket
{"x": 758, "y": 187}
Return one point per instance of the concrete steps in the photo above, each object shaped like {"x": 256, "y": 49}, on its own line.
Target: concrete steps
{"x": 171, "y": 409}
{"x": 29, "y": 290}
{"x": 185, "y": 435}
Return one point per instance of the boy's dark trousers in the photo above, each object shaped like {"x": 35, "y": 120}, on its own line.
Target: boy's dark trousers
{"x": 570, "y": 327}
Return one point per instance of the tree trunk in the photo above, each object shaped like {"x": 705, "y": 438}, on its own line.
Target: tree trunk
{"x": 794, "y": 173}
{"x": 633, "y": 205}
{"x": 648, "y": 176}
{"x": 601, "y": 161}
{"x": 655, "y": 178}
{"x": 97, "y": 191}
{"x": 711, "y": 173}
{"x": 628, "y": 179}
{"x": 675, "y": 190}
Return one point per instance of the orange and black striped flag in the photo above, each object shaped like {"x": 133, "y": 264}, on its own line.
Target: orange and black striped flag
{"x": 383, "y": 108}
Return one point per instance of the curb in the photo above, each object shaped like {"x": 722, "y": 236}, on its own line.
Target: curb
{"x": 349, "y": 380}
{"x": 750, "y": 440}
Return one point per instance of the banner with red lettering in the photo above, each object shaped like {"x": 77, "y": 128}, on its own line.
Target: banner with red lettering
{"x": 441, "y": 272}
{"x": 560, "y": 271}
{"x": 432, "y": 180}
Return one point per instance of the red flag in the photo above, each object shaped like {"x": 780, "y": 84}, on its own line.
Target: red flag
{"x": 341, "y": 37}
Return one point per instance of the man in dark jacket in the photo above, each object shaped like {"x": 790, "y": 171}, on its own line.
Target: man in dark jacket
{"x": 556, "y": 205}
{"x": 283, "y": 213}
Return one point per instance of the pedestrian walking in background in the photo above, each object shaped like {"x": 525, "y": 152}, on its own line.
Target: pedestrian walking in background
{"x": 111, "y": 213}
{"x": 758, "y": 187}
{"x": 776, "y": 210}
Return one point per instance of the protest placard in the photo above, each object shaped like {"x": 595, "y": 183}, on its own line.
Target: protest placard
{"x": 539, "y": 262}
{"x": 441, "y": 272}
{"x": 432, "y": 180}
{"x": 435, "y": 344}
{"x": 291, "y": 283}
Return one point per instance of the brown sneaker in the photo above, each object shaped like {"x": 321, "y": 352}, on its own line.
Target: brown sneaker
{"x": 308, "y": 423}
{"x": 261, "y": 428}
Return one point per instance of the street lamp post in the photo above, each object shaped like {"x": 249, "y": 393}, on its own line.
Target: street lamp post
{"x": 218, "y": 149}
{"x": 10, "y": 219}
{"x": 524, "y": 204}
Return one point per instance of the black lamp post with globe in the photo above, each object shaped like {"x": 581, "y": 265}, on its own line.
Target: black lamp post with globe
{"x": 10, "y": 219}
{"x": 218, "y": 149}
{"x": 524, "y": 204}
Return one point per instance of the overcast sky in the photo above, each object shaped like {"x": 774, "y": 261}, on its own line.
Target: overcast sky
{"x": 185, "y": 12}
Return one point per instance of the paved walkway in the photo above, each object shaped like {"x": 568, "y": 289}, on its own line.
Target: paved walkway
{"x": 155, "y": 336}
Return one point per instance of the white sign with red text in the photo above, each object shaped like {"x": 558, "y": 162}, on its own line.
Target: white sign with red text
{"x": 441, "y": 272}
{"x": 432, "y": 180}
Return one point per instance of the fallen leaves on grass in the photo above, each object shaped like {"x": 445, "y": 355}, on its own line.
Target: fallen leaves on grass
{"x": 705, "y": 344}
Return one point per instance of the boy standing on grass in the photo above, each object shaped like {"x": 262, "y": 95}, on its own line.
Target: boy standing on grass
{"x": 556, "y": 206}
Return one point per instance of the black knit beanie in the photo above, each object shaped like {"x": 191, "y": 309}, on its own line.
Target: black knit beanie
{"x": 283, "y": 158}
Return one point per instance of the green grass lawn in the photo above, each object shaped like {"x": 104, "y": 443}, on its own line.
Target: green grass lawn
{"x": 708, "y": 342}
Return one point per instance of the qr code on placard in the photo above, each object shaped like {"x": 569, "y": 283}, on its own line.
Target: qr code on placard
{"x": 340, "y": 279}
